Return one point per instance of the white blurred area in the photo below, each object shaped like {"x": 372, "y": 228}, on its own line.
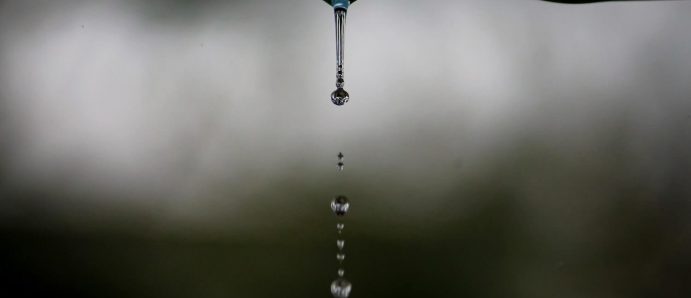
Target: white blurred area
{"x": 127, "y": 100}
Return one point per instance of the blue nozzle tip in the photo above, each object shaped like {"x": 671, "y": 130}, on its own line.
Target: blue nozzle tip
{"x": 340, "y": 4}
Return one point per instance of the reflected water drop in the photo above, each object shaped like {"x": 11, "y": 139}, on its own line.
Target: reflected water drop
{"x": 340, "y": 205}
{"x": 340, "y": 288}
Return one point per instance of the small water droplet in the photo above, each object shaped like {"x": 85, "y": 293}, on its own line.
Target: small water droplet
{"x": 340, "y": 243}
{"x": 341, "y": 272}
{"x": 339, "y": 227}
{"x": 340, "y": 205}
{"x": 340, "y": 257}
{"x": 340, "y": 161}
{"x": 340, "y": 288}
{"x": 340, "y": 97}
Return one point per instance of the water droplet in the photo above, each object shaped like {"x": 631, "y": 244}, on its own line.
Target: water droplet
{"x": 340, "y": 161}
{"x": 340, "y": 97}
{"x": 340, "y": 205}
{"x": 341, "y": 272}
{"x": 340, "y": 244}
{"x": 340, "y": 257}
{"x": 339, "y": 227}
{"x": 340, "y": 288}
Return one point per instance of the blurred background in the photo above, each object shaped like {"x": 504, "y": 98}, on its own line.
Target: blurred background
{"x": 492, "y": 149}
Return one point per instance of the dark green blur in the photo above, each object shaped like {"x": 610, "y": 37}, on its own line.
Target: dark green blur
{"x": 603, "y": 233}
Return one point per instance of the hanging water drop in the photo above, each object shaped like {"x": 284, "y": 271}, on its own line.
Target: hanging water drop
{"x": 340, "y": 288}
{"x": 340, "y": 96}
{"x": 340, "y": 205}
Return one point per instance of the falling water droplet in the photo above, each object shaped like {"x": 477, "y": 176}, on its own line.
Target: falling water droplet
{"x": 340, "y": 257}
{"x": 340, "y": 205}
{"x": 340, "y": 288}
{"x": 340, "y": 161}
{"x": 341, "y": 272}
{"x": 339, "y": 227}
{"x": 340, "y": 243}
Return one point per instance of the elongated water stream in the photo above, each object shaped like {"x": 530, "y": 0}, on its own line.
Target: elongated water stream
{"x": 340, "y": 96}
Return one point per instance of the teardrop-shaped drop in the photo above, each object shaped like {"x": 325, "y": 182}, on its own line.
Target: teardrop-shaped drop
{"x": 339, "y": 97}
